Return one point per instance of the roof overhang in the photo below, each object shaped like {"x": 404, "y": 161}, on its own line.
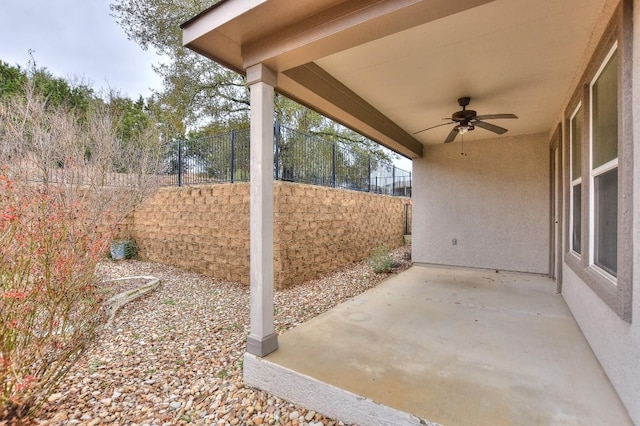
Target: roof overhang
{"x": 388, "y": 68}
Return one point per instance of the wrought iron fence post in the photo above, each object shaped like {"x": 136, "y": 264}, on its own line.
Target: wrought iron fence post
{"x": 369, "y": 175}
{"x": 406, "y": 219}
{"x": 277, "y": 134}
{"x": 179, "y": 162}
{"x": 333, "y": 165}
{"x": 393, "y": 180}
{"x": 232, "y": 167}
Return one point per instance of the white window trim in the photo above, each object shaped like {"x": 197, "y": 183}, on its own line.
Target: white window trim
{"x": 603, "y": 168}
{"x": 574, "y": 181}
{"x": 593, "y": 173}
{"x": 618, "y": 294}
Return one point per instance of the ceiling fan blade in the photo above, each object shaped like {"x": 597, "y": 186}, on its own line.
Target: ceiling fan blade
{"x": 490, "y": 127}
{"x": 495, "y": 116}
{"x": 433, "y": 127}
{"x": 452, "y": 135}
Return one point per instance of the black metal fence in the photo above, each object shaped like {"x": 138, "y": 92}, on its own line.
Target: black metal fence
{"x": 210, "y": 159}
{"x": 298, "y": 157}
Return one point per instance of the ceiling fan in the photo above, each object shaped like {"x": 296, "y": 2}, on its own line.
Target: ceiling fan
{"x": 467, "y": 120}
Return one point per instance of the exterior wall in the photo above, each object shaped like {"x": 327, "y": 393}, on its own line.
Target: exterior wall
{"x": 316, "y": 229}
{"x": 615, "y": 342}
{"x": 494, "y": 201}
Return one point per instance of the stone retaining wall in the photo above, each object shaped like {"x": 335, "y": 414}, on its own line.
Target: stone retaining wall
{"x": 319, "y": 229}
{"x": 316, "y": 230}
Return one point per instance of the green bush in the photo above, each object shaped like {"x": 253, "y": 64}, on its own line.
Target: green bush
{"x": 131, "y": 250}
{"x": 123, "y": 249}
{"x": 380, "y": 260}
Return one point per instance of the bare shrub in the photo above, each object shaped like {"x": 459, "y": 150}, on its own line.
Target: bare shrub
{"x": 66, "y": 181}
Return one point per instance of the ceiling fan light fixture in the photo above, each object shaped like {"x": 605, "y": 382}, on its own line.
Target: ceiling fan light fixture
{"x": 467, "y": 120}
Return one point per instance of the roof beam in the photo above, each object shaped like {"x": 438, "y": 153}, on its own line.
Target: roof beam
{"x": 312, "y": 86}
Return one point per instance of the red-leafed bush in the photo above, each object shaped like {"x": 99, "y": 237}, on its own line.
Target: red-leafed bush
{"x": 65, "y": 184}
{"x": 49, "y": 305}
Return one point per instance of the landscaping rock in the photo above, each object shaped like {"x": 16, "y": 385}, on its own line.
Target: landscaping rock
{"x": 174, "y": 356}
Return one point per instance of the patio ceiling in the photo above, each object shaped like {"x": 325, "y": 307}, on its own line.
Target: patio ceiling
{"x": 388, "y": 68}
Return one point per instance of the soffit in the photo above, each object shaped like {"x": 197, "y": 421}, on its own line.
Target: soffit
{"x": 509, "y": 56}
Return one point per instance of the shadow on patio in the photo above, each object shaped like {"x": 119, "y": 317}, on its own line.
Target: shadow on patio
{"x": 451, "y": 346}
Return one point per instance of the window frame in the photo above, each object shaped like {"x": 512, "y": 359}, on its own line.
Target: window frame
{"x": 594, "y": 172}
{"x": 617, "y": 294}
{"x": 574, "y": 181}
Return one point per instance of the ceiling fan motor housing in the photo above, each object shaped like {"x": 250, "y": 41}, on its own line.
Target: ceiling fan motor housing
{"x": 464, "y": 116}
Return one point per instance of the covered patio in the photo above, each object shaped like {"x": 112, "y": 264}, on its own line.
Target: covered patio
{"x": 450, "y": 346}
{"x": 464, "y": 345}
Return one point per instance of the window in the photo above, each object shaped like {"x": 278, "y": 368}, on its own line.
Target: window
{"x": 604, "y": 166}
{"x": 575, "y": 137}
{"x": 599, "y": 169}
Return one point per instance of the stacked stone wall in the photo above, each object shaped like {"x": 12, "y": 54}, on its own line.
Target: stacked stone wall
{"x": 203, "y": 229}
{"x": 319, "y": 229}
{"x": 316, "y": 229}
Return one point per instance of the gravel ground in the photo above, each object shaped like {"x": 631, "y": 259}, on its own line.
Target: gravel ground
{"x": 109, "y": 288}
{"x": 175, "y": 355}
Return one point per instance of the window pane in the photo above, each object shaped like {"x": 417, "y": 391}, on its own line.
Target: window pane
{"x": 606, "y": 221}
{"x": 576, "y": 236}
{"x": 605, "y": 114}
{"x": 576, "y": 145}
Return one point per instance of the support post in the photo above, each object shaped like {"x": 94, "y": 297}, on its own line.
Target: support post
{"x": 278, "y": 136}
{"x": 262, "y": 339}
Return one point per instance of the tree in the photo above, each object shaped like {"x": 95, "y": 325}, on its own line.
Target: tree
{"x": 59, "y": 92}
{"x": 197, "y": 91}
{"x": 12, "y": 80}
{"x": 129, "y": 121}
{"x": 131, "y": 118}
{"x": 56, "y": 91}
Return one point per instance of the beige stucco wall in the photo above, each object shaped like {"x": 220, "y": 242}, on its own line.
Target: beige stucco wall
{"x": 493, "y": 201}
{"x": 316, "y": 229}
{"x": 615, "y": 342}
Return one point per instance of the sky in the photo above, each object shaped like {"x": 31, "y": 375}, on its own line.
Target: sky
{"x": 76, "y": 39}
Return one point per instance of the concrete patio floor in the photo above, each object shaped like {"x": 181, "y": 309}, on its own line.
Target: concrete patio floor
{"x": 450, "y": 346}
